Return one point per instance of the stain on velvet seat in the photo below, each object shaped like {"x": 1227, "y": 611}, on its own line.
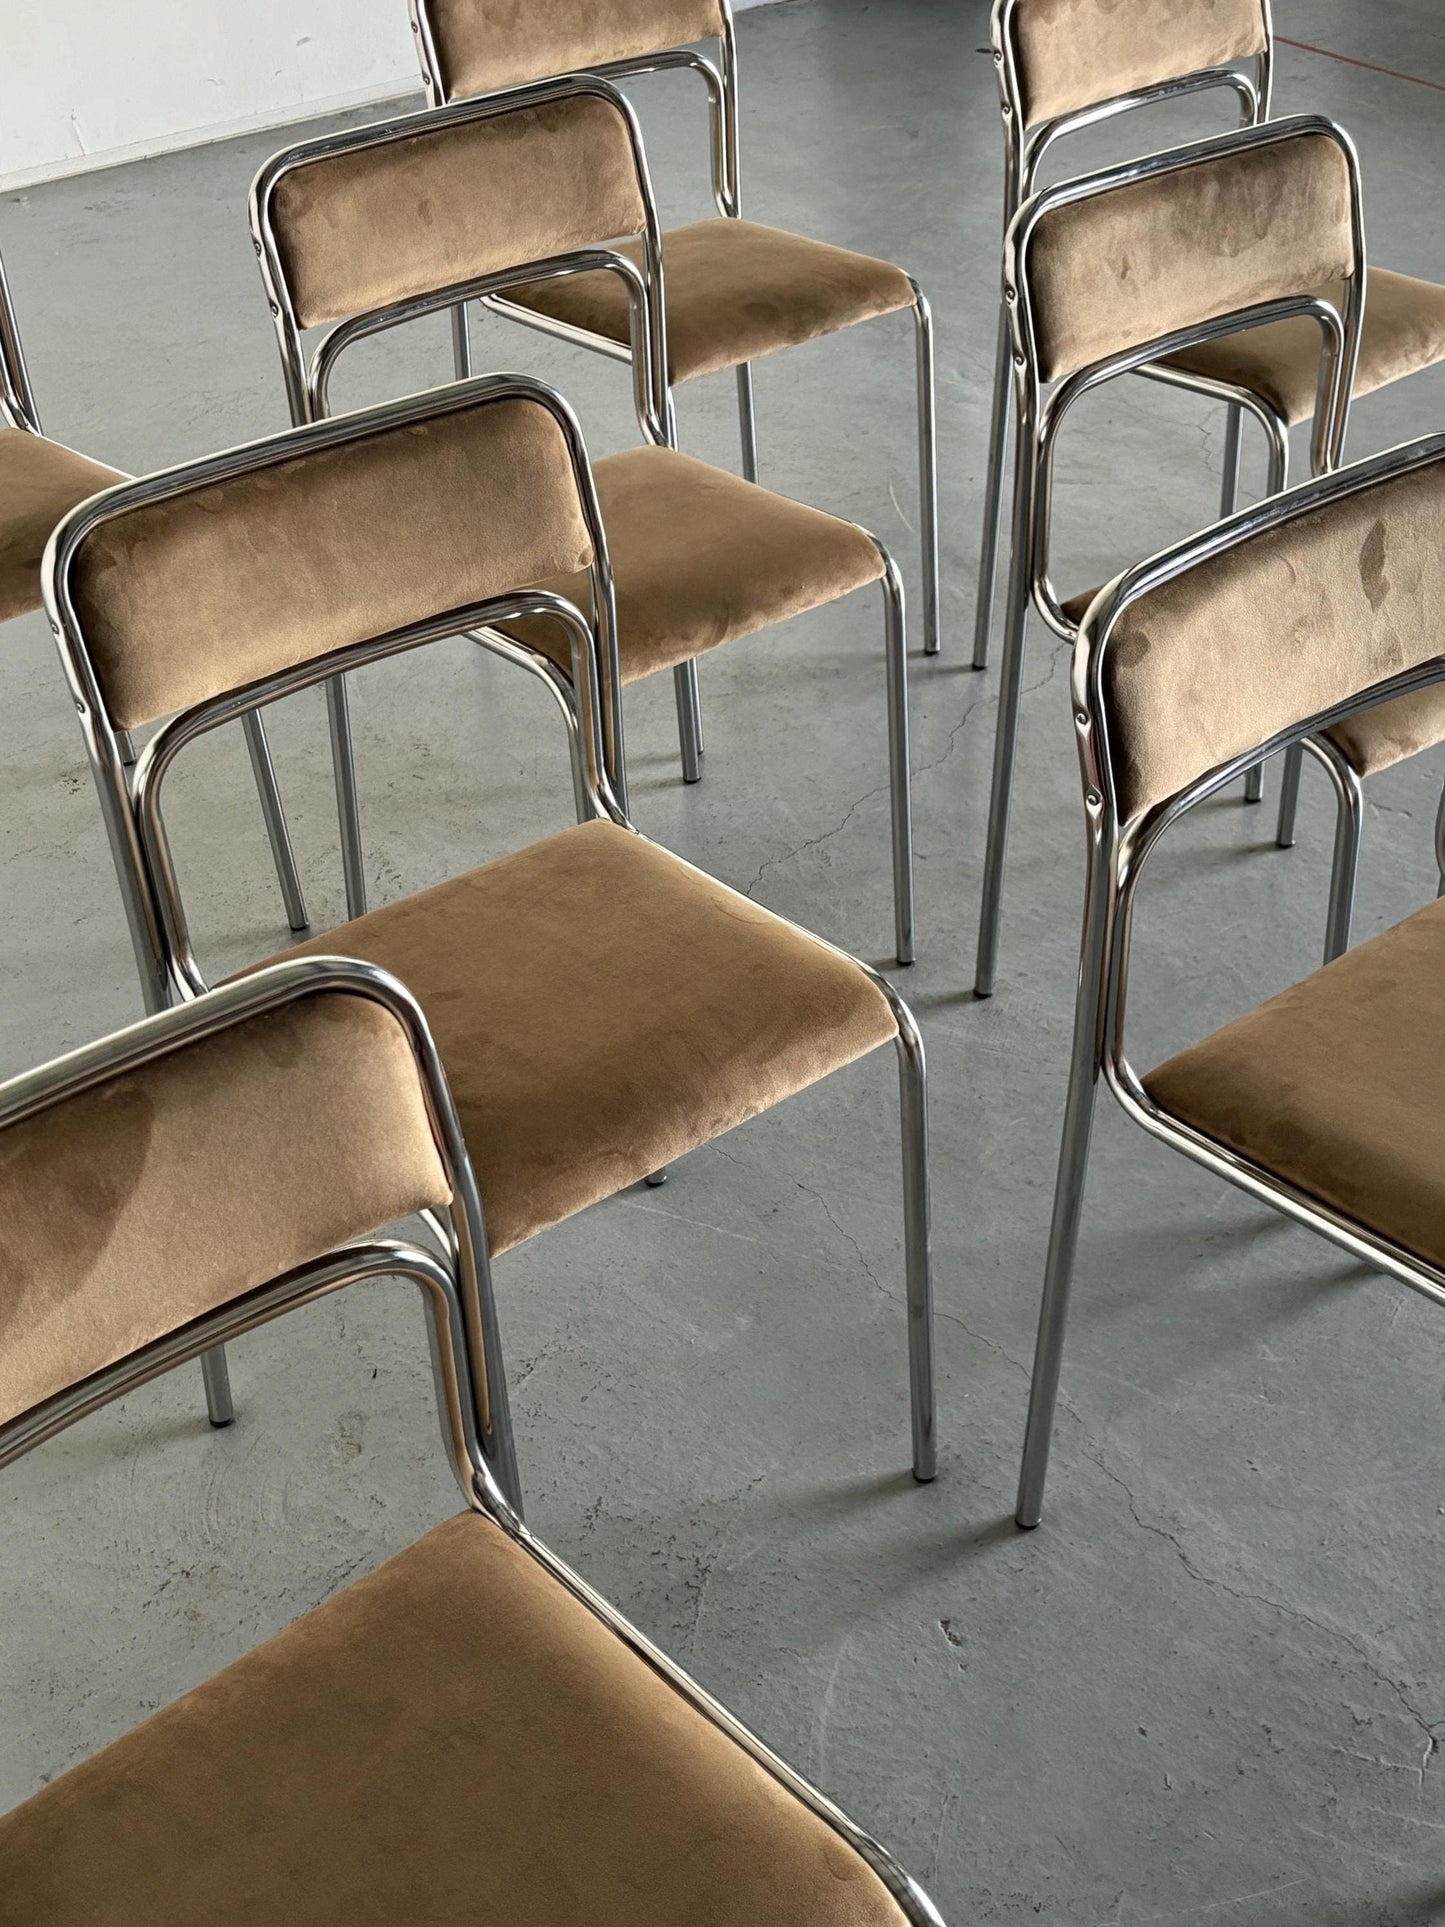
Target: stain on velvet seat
{"x": 1403, "y": 332}
{"x": 701, "y": 557}
{"x": 1335, "y": 1085}
{"x": 602, "y": 1008}
{"x": 453, "y": 1739}
{"x": 734, "y": 291}
{"x": 40, "y": 482}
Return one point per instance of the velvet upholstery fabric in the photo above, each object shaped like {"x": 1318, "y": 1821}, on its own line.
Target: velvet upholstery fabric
{"x": 700, "y": 558}
{"x": 1335, "y": 1085}
{"x": 734, "y": 291}
{"x": 1272, "y": 632}
{"x": 184, "y": 598}
{"x": 486, "y": 44}
{"x": 1393, "y": 731}
{"x": 602, "y": 1008}
{"x": 1075, "y": 53}
{"x": 127, "y": 1211}
{"x": 360, "y": 230}
{"x": 40, "y": 482}
{"x": 1403, "y": 331}
{"x": 1131, "y": 263}
{"x": 455, "y": 1739}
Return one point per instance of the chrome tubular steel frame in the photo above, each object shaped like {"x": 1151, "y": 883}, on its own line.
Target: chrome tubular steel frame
{"x": 140, "y": 847}
{"x": 308, "y": 380}
{"x": 1116, "y": 852}
{"x": 721, "y": 82}
{"x": 1024, "y": 148}
{"x": 455, "y": 1286}
{"x": 1039, "y": 419}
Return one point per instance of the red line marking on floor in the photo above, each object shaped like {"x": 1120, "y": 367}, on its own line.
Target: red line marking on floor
{"x": 1349, "y": 60}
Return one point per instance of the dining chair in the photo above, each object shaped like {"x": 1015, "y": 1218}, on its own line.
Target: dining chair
{"x": 1061, "y": 68}
{"x": 466, "y": 1733}
{"x": 736, "y": 291}
{"x": 40, "y": 480}
{"x": 543, "y": 180}
{"x": 601, "y": 1006}
{"x": 1111, "y": 272}
{"x": 1325, "y": 1102}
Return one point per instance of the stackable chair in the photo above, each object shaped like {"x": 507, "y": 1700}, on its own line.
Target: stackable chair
{"x": 601, "y": 1007}
{"x": 469, "y": 1732}
{"x": 1327, "y": 1101}
{"x": 1105, "y": 275}
{"x": 735, "y": 290}
{"x": 39, "y": 481}
{"x": 361, "y": 231}
{"x": 1060, "y": 68}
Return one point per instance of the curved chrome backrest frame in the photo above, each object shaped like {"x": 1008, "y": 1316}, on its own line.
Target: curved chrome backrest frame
{"x": 307, "y": 379}
{"x": 454, "y": 1280}
{"x": 1040, "y": 420}
{"x": 720, "y": 80}
{"x": 17, "y": 397}
{"x": 1118, "y": 847}
{"x": 1025, "y": 146}
{"x": 131, "y": 810}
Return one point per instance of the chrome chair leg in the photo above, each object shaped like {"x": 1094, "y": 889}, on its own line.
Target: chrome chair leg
{"x": 1005, "y": 747}
{"x": 348, "y": 810}
{"x": 125, "y": 744}
{"x": 1254, "y": 784}
{"x": 927, "y": 469}
{"x": 900, "y": 783}
{"x": 1068, "y": 1210}
{"x": 461, "y": 343}
{"x": 747, "y": 422}
{"x": 998, "y": 439}
{"x": 216, "y": 1375}
{"x": 1440, "y": 843}
{"x": 274, "y": 814}
{"x": 1289, "y": 797}
{"x": 689, "y": 720}
{"x": 1229, "y": 487}
{"x": 1345, "y": 870}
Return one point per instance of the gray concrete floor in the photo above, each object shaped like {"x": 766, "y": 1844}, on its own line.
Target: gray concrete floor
{"x": 1208, "y": 1689}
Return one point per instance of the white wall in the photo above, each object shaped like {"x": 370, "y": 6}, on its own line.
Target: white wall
{"x": 85, "y": 83}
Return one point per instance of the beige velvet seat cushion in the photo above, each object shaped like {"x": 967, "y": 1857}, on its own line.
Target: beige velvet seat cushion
{"x": 734, "y": 291}
{"x": 700, "y": 558}
{"x": 40, "y": 482}
{"x": 1335, "y": 1086}
{"x": 453, "y": 1740}
{"x": 1403, "y": 332}
{"x": 1388, "y": 733}
{"x": 602, "y": 1008}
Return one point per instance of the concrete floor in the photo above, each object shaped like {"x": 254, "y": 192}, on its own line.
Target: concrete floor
{"x": 1208, "y": 1689}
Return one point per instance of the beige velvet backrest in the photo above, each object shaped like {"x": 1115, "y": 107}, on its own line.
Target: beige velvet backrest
{"x": 1073, "y": 54}
{"x": 131, "y": 1208}
{"x": 218, "y": 583}
{"x": 485, "y": 44}
{"x": 1273, "y": 631}
{"x": 401, "y": 214}
{"x": 1127, "y": 264}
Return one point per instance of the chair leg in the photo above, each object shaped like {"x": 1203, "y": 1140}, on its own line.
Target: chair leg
{"x": 1068, "y": 1208}
{"x": 689, "y": 720}
{"x": 1005, "y": 747}
{"x": 274, "y": 814}
{"x": 216, "y": 1375}
{"x": 1289, "y": 797}
{"x": 998, "y": 439}
{"x": 348, "y": 810}
{"x": 461, "y": 343}
{"x": 747, "y": 422}
{"x": 1345, "y": 870}
{"x": 900, "y": 781}
{"x": 927, "y": 469}
{"x": 1229, "y": 486}
{"x": 1440, "y": 844}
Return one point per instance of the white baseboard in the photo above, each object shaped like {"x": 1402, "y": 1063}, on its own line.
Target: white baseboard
{"x": 224, "y": 130}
